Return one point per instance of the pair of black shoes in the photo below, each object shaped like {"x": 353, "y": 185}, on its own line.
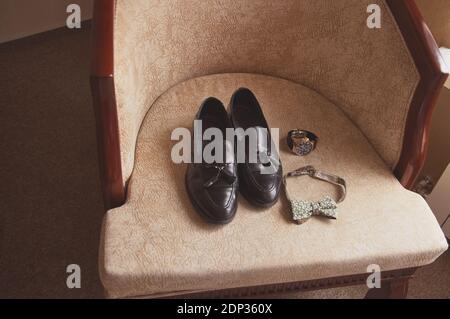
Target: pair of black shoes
{"x": 213, "y": 186}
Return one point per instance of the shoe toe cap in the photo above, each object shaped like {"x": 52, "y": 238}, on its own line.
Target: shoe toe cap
{"x": 222, "y": 203}
{"x": 266, "y": 189}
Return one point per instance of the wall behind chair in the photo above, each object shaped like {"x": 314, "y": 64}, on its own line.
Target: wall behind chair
{"x": 21, "y": 18}
{"x": 437, "y": 15}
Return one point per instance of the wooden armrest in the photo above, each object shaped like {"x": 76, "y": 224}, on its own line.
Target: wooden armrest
{"x": 433, "y": 73}
{"x": 102, "y": 64}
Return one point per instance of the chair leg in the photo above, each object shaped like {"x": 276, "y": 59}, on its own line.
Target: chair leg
{"x": 392, "y": 289}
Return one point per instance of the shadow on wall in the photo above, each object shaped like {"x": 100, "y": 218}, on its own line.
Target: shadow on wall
{"x": 437, "y": 16}
{"x": 21, "y": 18}
{"x": 50, "y": 207}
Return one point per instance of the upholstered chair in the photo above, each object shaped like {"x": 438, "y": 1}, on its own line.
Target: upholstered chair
{"x": 368, "y": 93}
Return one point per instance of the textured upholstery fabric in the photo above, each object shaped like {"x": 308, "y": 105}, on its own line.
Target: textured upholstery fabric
{"x": 156, "y": 244}
{"x": 325, "y": 45}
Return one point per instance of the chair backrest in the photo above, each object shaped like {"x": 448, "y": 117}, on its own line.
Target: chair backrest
{"x": 374, "y": 75}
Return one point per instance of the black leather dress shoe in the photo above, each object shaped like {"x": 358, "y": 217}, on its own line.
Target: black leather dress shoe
{"x": 260, "y": 180}
{"x": 212, "y": 188}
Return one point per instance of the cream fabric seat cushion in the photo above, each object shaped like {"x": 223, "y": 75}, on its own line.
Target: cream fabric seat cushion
{"x": 156, "y": 244}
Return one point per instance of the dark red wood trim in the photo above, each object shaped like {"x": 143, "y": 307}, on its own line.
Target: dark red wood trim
{"x": 108, "y": 141}
{"x": 393, "y": 289}
{"x": 102, "y": 64}
{"x": 393, "y": 285}
{"x": 104, "y": 101}
{"x": 433, "y": 74}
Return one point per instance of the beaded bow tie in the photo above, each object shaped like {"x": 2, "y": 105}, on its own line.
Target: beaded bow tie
{"x": 303, "y": 210}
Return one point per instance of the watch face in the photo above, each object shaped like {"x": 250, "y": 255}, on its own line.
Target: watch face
{"x": 303, "y": 147}
{"x": 301, "y": 142}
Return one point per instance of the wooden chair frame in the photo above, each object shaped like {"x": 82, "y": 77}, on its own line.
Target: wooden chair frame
{"x": 433, "y": 74}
